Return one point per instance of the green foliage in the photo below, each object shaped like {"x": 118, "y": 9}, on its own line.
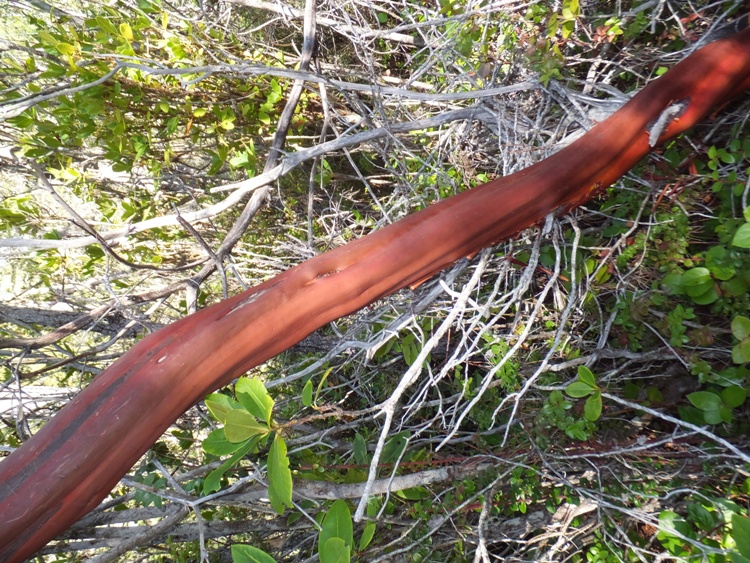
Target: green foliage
{"x": 696, "y": 283}
{"x": 279, "y": 476}
{"x": 708, "y": 527}
{"x": 741, "y": 534}
{"x": 717, "y": 406}
{"x": 564, "y": 22}
{"x": 151, "y": 480}
{"x": 247, "y": 426}
{"x": 336, "y": 537}
{"x": 586, "y": 387}
{"x": 741, "y": 331}
{"x": 250, "y": 554}
{"x": 139, "y": 118}
{"x": 556, "y": 412}
{"x": 252, "y": 394}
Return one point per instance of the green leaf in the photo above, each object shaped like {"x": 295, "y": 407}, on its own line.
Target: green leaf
{"x": 367, "y": 535}
{"x": 698, "y": 514}
{"x": 219, "y": 405}
{"x": 337, "y": 524}
{"x": 671, "y": 527}
{"x": 307, "y": 393}
{"x": 592, "y": 410}
{"x": 241, "y": 425}
{"x": 240, "y": 159}
{"x": 395, "y": 447}
{"x": 334, "y": 551}
{"x": 741, "y": 534}
{"x": 720, "y": 263}
{"x": 413, "y": 493}
{"x": 727, "y": 508}
{"x": 725, "y": 414}
{"x": 409, "y": 348}
{"x": 697, "y": 281}
{"x": 712, "y": 416}
{"x": 705, "y": 298}
{"x": 733, "y": 396}
{"x": 250, "y": 554}
{"x": 360, "y": 450}
{"x": 741, "y": 352}
{"x": 65, "y": 48}
{"x": 673, "y": 283}
{"x": 746, "y": 213}
{"x": 126, "y": 31}
{"x": 696, "y": 277}
{"x": 279, "y": 476}
{"x": 586, "y": 376}
{"x": 374, "y": 506}
{"x": 47, "y": 39}
{"x": 742, "y": 236}
{"x": 216, "y": 443}
{"x": 576, "y": 430}
{"x": 705, "y": 400}
{"x": 727, "y": 158}
{"x": 740, "y": 327}
{"x": 213, "y": 480}
{"x": 254, "y": 396}
{"x": 579, "y": 389}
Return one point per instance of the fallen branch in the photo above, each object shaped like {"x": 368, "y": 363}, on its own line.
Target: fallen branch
{"x": 72, "y": 463}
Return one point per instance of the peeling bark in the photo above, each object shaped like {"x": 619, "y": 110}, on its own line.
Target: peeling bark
{"x": 71, "y": 464}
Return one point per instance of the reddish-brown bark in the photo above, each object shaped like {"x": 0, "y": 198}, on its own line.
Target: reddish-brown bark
{"x": 74, "y": 461}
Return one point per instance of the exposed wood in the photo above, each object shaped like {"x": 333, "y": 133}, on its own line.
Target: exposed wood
{"x": 73, "y": 462}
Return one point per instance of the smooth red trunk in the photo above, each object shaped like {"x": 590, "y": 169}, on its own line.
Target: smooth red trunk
{"x": 71, "y": 464}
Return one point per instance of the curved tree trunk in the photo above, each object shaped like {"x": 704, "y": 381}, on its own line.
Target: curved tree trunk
{"x": 71, "y": 464}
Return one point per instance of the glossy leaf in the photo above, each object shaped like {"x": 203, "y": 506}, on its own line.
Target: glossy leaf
{"x": 241, "y": 425}
{"x": 213, "y": 480}
{"x": 741, "y": 534}
{"x": 335, "y": 551}
{"x": 705, "y": 400}
{"x": 740, "y": 327}
{"x": 585, "y": 375}
{"x": 279, "y": 476}
{"x": 734, "y": 396}
{"x": 219, "y": 405}
{"x": 307, "y": 393}
{"x": 250, "y": 554}
{"x": 253, "y": 395}
{"x": 367, "y": 534}
{"x": 216, "y": 443}
{"x": 741, "y": 352}
{"x": 672, "y": 529}
{"x": 394, "y": 447}
{"x": 337, "y": 524}
{"x": 742, "y": 236}
{"x": 592, "y": 410}
{"x": 578, "y": 389}
{"x": 360, "y": 450}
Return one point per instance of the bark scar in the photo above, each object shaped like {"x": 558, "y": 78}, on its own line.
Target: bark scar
{"x": 671, "y": 113}
{"x": 250, "y": 299}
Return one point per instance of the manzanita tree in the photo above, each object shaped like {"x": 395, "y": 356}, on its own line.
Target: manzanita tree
{"x": 65, "y": 469}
